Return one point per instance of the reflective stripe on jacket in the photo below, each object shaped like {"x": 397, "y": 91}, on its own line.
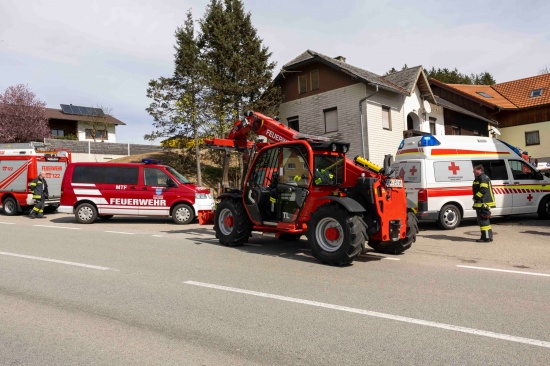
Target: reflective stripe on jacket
{"x": 483, "y": 192}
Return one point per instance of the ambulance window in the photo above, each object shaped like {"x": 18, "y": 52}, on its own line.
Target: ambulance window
{"x": 155, "y": 177}
{"x": 495, "y": 169}
{"x": 522, "y": 170}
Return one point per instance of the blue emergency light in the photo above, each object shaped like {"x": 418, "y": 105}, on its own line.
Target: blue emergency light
{"x": 149, "y": 161}
{"x": 428, "y": 140}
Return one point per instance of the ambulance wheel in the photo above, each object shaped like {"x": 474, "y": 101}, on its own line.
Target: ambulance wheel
{"x": 231, "y": 223}
{"x": 543, "y": 211}
{"x": 183, "y": 214}
{"x": 449, "y": 217}
{"x": 9, "y": 206}
{"x": 397, "y": 247}
{"x": 85, "y": 213}
{"x": 335, "y": 235}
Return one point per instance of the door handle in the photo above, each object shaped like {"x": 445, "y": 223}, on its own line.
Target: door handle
{"x": 132, "y": 187}
{"x": 516, "y": 182}
{"x": 506, "y": 183}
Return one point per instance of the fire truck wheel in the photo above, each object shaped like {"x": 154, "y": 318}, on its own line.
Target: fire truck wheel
{"x": 449, "y": 217}
{"x": 397, "y": 247}
{"x": 9, "y": 206}
{"x": 85, "y": 213}
{"x": 335, "y": 235}
{"x": 544, "y": 208}
{"x": 183, "y": 214}
{"x": 231, "y": 223}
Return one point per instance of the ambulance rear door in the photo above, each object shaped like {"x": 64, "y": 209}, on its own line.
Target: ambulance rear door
{"x": 411, "y": 173}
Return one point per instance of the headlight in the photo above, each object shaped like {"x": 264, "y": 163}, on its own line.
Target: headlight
{"x": 201, "y": 196}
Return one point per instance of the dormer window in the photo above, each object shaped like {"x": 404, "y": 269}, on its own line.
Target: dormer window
{"x": 536, "y": 93}
{"x": 484, "y": 95}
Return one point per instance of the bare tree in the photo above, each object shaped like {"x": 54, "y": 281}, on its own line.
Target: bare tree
{"x": 22, "y": 115}
{"x": 544, "y": 70}
{"x": 98, "y": 122}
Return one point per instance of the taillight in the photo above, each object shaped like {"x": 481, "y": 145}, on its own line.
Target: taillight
{"x": 422, "y": 195}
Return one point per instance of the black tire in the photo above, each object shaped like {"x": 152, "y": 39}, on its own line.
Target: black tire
{"x": 9, "y": 206}
{"x": 397, "y": 247}
{"x": 105, "y": 217}
{"x": 544, "y": 208}
{"x": 183, "y": 214}
{"x": 289, "y": 237}
{"x": 85, "y": 213}
{"x": 449, "y": 217}
{"x": 231, "y": 223}
{"x": 335, "y": 235}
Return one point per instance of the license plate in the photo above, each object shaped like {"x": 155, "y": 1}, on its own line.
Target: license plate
{"x": 398, "y": 183}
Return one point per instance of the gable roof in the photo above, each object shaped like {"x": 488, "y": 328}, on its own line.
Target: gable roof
{"x": 407, "y": 79}
{"x": 446, "y": 104}
{"x": 53, "y": 113}
{"x": 363, "y": 75}
{"x": 518, "y": 92}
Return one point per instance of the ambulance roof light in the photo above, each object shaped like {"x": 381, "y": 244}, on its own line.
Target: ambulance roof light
{"x": 401, "y": 144}
{"x": 428, "y": 140}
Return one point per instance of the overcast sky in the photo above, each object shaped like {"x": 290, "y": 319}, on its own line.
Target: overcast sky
{"x": 104, "y": 52}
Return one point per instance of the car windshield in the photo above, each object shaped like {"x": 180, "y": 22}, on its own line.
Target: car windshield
{"x": 178, "y": 175}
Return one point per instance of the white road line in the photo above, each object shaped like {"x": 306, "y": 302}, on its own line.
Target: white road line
{"x": 380, "y": 257}
{"x": 8, "y": 223}
{"x": 157, "y": 236}
{"x": 58, "y": 261}
{"x": 60, "y": 227}
{"x": 456, "y": 328}
{"x": 506, "y": 270}
{"x": 119, "y": 232}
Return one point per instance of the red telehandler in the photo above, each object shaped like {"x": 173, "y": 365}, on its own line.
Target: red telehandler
{"x": 296, "y": 184}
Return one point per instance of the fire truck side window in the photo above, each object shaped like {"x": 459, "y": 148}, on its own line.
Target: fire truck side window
{"x": 295, "y": 167}
{"x": 328, "y": 169}
{"x": 105, "y": 175}
{"x": 268, "y": 164}
{"x": 155, "y": 177}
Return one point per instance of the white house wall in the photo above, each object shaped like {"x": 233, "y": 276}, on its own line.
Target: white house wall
{"x": 83, "y": 126}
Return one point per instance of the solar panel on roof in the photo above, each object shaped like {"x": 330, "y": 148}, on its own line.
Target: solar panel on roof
{"x": 82, "y": 111}
{"x": 66, "y": 108}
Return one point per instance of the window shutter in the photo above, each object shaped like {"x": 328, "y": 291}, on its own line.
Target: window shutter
{"x": 315, "y": 80}
{"x": 331, "y": 120}
{"x": 302, "y": 84}
{"x": 386, "y": 118}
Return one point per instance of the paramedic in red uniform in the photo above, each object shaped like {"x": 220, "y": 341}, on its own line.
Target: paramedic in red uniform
{"x": 39, "y": 190}
{"x": 483, "y": 201}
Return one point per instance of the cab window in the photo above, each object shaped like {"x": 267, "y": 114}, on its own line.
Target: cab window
{"x": 155, "y": 177}
{"x": 522, "y": 170}
{"x": 295, "y": 166}
{"x": 328, "y": 170}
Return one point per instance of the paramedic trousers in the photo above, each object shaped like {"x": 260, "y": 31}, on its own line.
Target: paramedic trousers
{"x": 38, "y": 208}
{"x": 483, "y": 220}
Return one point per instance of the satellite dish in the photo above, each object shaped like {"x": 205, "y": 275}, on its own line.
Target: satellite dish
{"x": 427, "y": 107}
{"x": 495, "y": 131}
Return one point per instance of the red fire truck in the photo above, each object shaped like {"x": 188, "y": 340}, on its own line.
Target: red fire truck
{"x": 20, "y": 163}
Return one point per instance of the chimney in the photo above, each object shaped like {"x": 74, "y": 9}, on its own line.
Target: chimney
{"x": 340, "y": 58}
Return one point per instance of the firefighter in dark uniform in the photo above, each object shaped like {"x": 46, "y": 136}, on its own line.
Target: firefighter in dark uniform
{"x": 484, "y": 200}
{"x": 39, "y": 190}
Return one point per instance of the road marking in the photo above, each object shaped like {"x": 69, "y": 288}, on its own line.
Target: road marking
{"x": 456, "y": 328}
{"x": 380, "y": 257}
{"x": 506, "y": 270}
{"x": 58, "y": 261}
{"x": 119, "y": 232}
{"x": 8, "y": 223}
{"x": 60, "y": 227}
{"x": 158, "y": 236}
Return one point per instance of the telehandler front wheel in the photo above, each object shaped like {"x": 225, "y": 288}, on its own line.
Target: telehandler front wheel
{"x": 399, "y": 246}
{"x": 231, "y": 223}
{"x": 335, "y": 235}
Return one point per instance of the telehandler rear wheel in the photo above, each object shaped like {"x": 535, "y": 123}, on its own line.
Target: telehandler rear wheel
{"x": 335, "y": 235}
{"x": 397, "y": 247}
{"x": 231, "y": 223}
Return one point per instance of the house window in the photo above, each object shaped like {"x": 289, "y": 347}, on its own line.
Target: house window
{"x": 314, "y": 79}
{"x": 302, "y": 84}
{"x": 96, "y": 135}
{"x": 386, "y": 118}
{"x": 432, "y": 125}
{"x": 484, "y": 95}
{"x": 536, "y": 93}
{"x": 455, "y": 130}
{"x": 291, "y": 166}
{"x": 294, "y": 123}
{"x": 331, "y": 120}
{"x": 532, "y": 138}
{"x": 58, "y": 133}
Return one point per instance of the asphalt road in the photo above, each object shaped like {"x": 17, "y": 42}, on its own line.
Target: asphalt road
{"x": 144, "y": 291}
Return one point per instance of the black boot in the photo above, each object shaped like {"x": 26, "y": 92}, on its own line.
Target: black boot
{"x": 32, "y": 214}
{"x": 40, "y": 216}
{"x": 490, "y": 235}
{"x": 483, "y": 238}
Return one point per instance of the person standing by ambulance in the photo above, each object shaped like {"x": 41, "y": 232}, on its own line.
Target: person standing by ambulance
{"x": 484, "y": 199}
{"x": 39, "y": 190}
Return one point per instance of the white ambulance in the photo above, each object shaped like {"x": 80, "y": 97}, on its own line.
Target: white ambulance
{"x": 438, "y": 176}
